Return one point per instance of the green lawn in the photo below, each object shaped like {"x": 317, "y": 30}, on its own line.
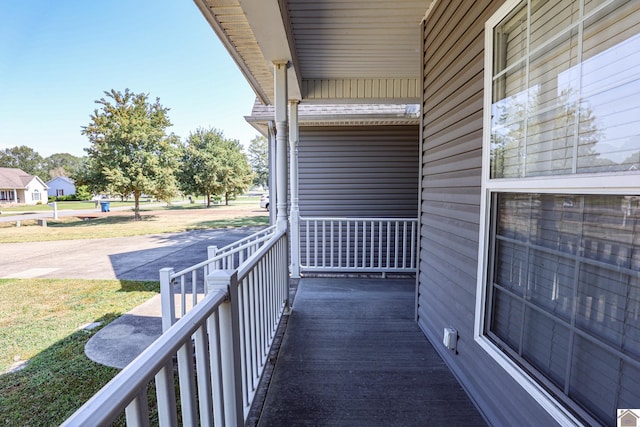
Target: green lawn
{"x": 39, "y": 322}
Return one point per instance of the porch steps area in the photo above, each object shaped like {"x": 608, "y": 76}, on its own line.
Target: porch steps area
{"x": 353, "y": 355}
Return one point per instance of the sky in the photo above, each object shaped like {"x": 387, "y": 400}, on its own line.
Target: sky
{"x": 58, "y": 57}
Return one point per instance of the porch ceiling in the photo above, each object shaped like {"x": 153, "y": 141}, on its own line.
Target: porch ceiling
{"x": 340, "y": 50}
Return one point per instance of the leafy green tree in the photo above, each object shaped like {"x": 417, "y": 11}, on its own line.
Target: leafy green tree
{"x": 212, "y": 165}
{"x": 61, "y": 164}
{"x": 130, "y": 152}
{"x": 198, "y": 164}
{"x": 83, "y": 193}
{"x": 234, "y": 172}
{"x": 259, "y": 160}
{"x": 23, "y": 157}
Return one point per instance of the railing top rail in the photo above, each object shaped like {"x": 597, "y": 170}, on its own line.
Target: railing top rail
{"x": 114, "y": 397}
{"x": 251, "y": 238}
{"x": 333, "y": 218}
{"x": 228, "y": 250}
{"x": 250, "y": 262}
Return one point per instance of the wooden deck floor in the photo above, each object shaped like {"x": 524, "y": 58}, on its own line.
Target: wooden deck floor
{"x": 352, "y": 355}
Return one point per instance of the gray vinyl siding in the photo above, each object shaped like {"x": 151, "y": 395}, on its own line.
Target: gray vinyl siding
{"x": 358, "y": 171}
{"x": 450, "y": 207}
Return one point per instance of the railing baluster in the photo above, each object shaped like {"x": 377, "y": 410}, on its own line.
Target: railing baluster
{"x": 324, "y": 243}
{"x": 205, "y": 398}
{"x": 194, "y": 288}
{"x": 251, "y": 282}
{"x": 331, "y": 238}
{"x": 261, "y": 316}
{"x": 355, "y": 244}
{"x": 364, "y": 245}
{"x": 347, "y": 258}
{"x": 372, "y": 244}
{"x": 395, "y": 261}
{"x": 137, "y": 412}
{"x": 246, "y": 309}
{"x": 388, "y": 244}
{"x": 166, "y": 395}
{"x": 215, "y": 366}
{"x": 340, "y": 248}
{"x": 186, "y": 379}
{"x": 315, "y": 243}
{"x": 404, "y": 245}
{"x": 380, "y": 253}
{"x": 206, "y": 273}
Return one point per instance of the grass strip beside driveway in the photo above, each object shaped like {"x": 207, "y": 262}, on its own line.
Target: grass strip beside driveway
{"x": 39, "y": 322}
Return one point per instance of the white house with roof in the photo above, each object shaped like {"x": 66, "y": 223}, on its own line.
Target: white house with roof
{"x": 17, "y": 186}
{"x": 61, "y": 186}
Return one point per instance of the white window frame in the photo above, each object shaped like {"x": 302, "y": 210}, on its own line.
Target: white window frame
{"x": 620, "y": 183}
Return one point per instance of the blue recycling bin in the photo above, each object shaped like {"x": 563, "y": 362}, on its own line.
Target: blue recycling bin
{"x": 104, "y": 206}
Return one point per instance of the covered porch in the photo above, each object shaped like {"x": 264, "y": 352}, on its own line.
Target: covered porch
{"x": 352, "y": 354}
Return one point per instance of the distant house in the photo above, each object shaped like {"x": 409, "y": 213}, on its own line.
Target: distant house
{"x": 17, "y": 186}
{"x": 61, "y": 186}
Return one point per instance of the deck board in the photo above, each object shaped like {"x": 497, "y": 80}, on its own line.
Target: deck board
{"x": 352, "y": 355}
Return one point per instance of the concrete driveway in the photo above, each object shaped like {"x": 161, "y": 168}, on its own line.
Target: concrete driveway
{"x": 125, "y": 258}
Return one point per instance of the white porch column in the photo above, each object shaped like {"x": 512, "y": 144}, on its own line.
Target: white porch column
{"x": 15, "y": 196}
{"x": 280, "y": 72}
{"x": 273, "y": 190}
{"x": 294, "y": 218}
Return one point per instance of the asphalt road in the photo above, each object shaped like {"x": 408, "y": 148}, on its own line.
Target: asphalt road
{"x": 125, "y": 258}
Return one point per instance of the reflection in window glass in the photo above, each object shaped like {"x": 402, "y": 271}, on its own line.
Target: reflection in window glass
{"x": 565, "y": 99}
{"x": 565, "y": 289}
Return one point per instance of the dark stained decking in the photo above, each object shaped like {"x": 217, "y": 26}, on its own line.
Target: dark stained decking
{"x": 352, "y": 355}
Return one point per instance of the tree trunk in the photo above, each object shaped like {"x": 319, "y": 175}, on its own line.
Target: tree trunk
{"x": 226, "y": 199}
{"x": 208, "y": 200}
{"x": 136, "y": 207}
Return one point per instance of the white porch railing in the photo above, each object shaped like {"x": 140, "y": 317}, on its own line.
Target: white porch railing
{"x": 221, "y": 348}
{"x": 191, "y": 280}
{"x": 382, "y": 245}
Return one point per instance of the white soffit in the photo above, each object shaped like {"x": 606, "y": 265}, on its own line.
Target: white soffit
{"x": 228, "y": 21}
{"x": 340, "y": 50}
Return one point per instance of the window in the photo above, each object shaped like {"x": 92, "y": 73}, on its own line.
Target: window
{"x": 35, "y": 195}
{"x": 559, "y": 274}
{"x": 59, "y": 192}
